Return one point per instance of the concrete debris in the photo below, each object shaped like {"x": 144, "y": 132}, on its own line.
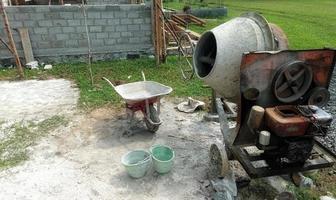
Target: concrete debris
{"x": 190, "y": 106}
{"x": 285, "y": 196}
{"x": 302, "y": 181}
{"x": 327, "y": 198}
{"x": 226, "y": 188}
{"x": 47, "y": 67}
{"x": 32, "y": 65}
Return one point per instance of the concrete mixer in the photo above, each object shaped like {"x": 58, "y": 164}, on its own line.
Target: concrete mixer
{"x": 279, "y": 96}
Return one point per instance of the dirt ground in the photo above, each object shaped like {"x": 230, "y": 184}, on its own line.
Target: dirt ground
{"x": 82, "y": 160}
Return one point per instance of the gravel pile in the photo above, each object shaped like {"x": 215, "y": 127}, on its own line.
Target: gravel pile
{"x": 330, "y": 140}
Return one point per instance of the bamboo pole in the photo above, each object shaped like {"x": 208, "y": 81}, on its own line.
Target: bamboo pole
{"x": 10, "y": 39}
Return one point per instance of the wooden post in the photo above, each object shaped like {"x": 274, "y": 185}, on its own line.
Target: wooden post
{"x": 11, "y": 40}
{"x": 158, "y": 32}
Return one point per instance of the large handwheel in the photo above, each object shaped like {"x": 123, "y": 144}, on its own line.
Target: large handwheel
{"x": 219, "y": 161}
{"x": 185, "y": 54}
{"x": 154, "y": 117}
{"x": 292, "y": 81}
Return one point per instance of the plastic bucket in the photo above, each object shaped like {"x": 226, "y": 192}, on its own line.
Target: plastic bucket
{"x": 137, "y": 163}
{"x": 163, "y": 158}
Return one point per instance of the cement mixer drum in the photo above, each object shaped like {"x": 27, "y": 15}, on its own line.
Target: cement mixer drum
{"x": 218, "y": 53}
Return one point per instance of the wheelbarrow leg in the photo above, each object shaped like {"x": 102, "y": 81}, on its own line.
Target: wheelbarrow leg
{"x": 130, "y": 122}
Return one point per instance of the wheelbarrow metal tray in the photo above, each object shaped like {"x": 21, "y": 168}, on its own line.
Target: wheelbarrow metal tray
{"x": 142, "y": 90}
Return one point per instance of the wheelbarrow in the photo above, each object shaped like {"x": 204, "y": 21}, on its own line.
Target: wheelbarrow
{"x": 142, "y": 96}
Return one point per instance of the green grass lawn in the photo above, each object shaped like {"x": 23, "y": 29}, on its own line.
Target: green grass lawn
{"x": 123, "y": 70}
{"x": 307, "y": 23}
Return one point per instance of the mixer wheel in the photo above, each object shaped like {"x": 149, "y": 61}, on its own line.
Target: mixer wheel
{"x": 219, "y": 162}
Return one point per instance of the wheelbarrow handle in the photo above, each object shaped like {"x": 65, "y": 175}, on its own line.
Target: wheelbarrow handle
{"x": 108, "y": 82}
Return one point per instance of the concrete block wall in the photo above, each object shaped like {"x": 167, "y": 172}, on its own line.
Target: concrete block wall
{"x": 106, "y": 2}
{"x": 59, "y": 32}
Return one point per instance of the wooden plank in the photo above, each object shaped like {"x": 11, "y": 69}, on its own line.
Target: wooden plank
{"x": 27, "y": 48}
{"x": 193, "y": 35}
{"x": 179, "y": 20}
{"x": 192, "y": 19}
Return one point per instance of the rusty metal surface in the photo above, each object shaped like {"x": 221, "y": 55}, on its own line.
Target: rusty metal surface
{"x": 279, "y": 36}
{"x": 286, "y": 121}
{"x": 258, "y": 70}
{"x": 256, "y": 167}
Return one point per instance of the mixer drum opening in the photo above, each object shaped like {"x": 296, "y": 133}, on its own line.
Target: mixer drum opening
{"x": 205, "y": 54}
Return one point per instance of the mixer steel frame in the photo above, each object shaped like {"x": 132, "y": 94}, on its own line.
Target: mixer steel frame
{"x": 257, "y": 71}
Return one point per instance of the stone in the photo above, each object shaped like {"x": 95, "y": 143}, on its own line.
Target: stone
{"x": 48, "y": 66}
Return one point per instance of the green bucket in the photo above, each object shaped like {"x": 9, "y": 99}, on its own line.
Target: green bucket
{"x": 163, "y": 158}
{"x": 137, "y": 163}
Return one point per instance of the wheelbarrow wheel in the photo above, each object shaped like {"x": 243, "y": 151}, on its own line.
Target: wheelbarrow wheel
{"x": 154, "y": 117}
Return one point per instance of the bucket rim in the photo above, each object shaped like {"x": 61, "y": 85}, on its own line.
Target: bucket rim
{"x": 162, "y": 145}
{"x": 148, "y": 158}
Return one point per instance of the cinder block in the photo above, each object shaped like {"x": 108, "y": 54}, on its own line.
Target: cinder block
{"x": 89, "y": 22}
{"x": 83, "y": 43}
{"x": 120, "y": 14}
{"x": 134, "y": 40}
{"x": 113, "y": 21}
{"x": 146, "y": 27}
{"x": 51, "y": 15}
{"x": 133, "y": 27}
{"x": 55, "y": 30}
{"x": 69, "y": 29}
{"x": 22, "y": 16}
{"x": 37, "y": 16}
{"x": 43, "y": 9}
{"x": 126, "y": 34}
{"x": 57, "y": 44}
{"x": 45, "y": 23}
{"x": 110, "y": 41}
{"x": 133, "y": 15}
{"x": 126, "y": 21}
{"x": 114, "y": 35}
{"x": 100, "y": 22}
{"x": 43, "y": 44}
{"x": 93, "y": 15}
{"x": 80, "y": 29}
{"x": 78, "y": 15}
{"x": 138, "y": 21}
{"x": 122, "y": 41}
{"x": 109, "y": 29}
{"x": 15, "y": 24}
{"x": 71, "y": 43}
{"x": 60, "y": 23}
{"x": 29, "y": 23}
{"x": 41, "y": 30}
{"x": 77, "y": 36}
{"x": 121, "y": 28}
{"x": 73, "y": 22}
{"x": 95, "y": 29}
{"x": 97, "y": 43}
{"x": 102, "y": 35}
{"x": 148, "y": 20}
{"x": 107, "y": 15}
{"x": 66, "y": 15}
{"x": 62, "y": 36}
